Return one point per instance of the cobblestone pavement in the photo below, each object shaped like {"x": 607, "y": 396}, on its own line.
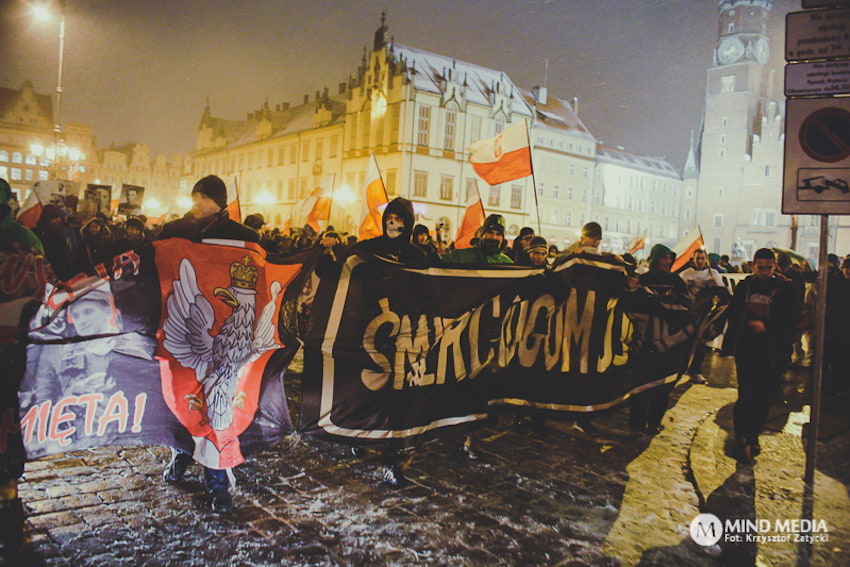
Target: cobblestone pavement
{"x": 573, "y": 498}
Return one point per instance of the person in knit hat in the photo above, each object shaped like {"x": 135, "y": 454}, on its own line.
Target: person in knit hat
{"x": 519, "y": 247}
{"x": 537, "y": 252}
{"x": 208, "y": 217}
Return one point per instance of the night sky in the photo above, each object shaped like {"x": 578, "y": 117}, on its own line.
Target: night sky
{"x": 140, "y": 70}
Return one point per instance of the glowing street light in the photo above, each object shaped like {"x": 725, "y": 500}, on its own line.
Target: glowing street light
{"x": 344, "y": 196}
{"x": 264, "y": 198}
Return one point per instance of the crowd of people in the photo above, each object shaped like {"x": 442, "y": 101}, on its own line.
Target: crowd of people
{"x": 766, "y": 317}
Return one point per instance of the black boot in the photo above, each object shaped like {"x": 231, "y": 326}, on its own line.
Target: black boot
{"x": 177, "y": 467}
{"x": 218, "y": 489}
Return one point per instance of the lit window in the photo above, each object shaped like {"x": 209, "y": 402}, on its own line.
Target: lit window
{"x": 516, "y": 197}
{"x": 4, "y": 155}
{"x": 16, "y": 173}
{"x": 30, "y": 159}
{"x": 17, "y": 157}
{"x": 495, "y": 196}
{"x": 718, "y": 221}
{"x": 420, "y": 184}
{"x": 423, "y": 135}
{"x": 446, "y": 187}
{"x": 451, "y": 119}
{"x": 391, "y": 181}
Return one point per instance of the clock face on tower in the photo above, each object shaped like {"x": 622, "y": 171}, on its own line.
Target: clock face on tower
{"x": 731, "y": 49}
{"x": 761, "y": 51}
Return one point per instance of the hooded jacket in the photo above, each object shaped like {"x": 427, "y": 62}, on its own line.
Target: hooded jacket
{"x": 61, "y": 244}
{"x": 663, "y": 284}
{"x": 219, "y": 226}
{"x": 401, "y": 248}
{"x": 97, "y": 249}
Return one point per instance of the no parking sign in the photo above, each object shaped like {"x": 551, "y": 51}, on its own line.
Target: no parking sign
{"x": 817, "y": 157}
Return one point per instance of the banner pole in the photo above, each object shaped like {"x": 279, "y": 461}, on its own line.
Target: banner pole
{"x": 331, "y": 205}
{"x": 533, "y": 179}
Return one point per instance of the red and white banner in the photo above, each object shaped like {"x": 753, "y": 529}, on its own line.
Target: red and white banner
{"x": 503, "y": 158}
{"x": 473, "y": 218}
{"x": 375, "y": 199}
{"x": 30, "y": 211}
{"x": 686, "y": 247}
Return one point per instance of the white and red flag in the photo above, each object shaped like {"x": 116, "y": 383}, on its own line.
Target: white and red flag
{"x": 315, "y": 207}
{"x": 473, "y": 218}
{"x": 503, "y": 158}
{"x": 30, "y": 211}
{"x": 234, "y": 211}
{"x": 375, "y": 199}
{"x": 639, "y": 243}
{"x": 686, "y": 247}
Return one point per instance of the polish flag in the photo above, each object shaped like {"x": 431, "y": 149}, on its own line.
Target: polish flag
{"x": 315, "y": 207}
{"x": 30, "y": 211}
{"x": 639, "y": 243}
{"x": 685, "y": 249}
{"x": 234, "y": 211}
{"x": 503, "y": 158}
{"x": 473, "y": 218}
{"x": 374, "y": 202}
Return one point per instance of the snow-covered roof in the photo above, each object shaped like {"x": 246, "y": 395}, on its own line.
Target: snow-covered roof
{"x": 429, "y": 71}
{"x": 557, "y": 114}
{"x": 648, "y": 164}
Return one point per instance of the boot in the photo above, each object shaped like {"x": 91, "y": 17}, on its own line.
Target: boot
{"x": 218, "y": 489}
{"x": 177, "y": 467}
{"x": 470, "y": 446}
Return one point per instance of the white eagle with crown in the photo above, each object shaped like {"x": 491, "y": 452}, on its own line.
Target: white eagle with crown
{"x": 218, "y": 360}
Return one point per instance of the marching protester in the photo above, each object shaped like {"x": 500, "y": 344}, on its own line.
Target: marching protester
{"x": 61, "y": 244}
{"x": 422, "y": 239}
{"x": 135, "y": 239}
{"x": 648, "y": 408}
{"x": 697, "y": 277}
{"x": 517, "y": 250}
{"x": 762, "y": 316}
{"x": 208, "y": 218}
{"x": 98, "y": 246}
{"x": 489, "y": 249}
{"x": 591, "y": 237}
{"x": 537, "y": 253}
{"x": 20, "y": 243}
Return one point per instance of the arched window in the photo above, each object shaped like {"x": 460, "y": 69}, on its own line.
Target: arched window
{"x": 4, "y": 155}
{"x": 17, "y": 157}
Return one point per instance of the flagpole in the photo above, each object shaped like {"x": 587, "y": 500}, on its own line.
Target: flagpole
{"x": 381, "y": 177}
{"x": 533, "y": 179}
{"x": 331, "y": 205}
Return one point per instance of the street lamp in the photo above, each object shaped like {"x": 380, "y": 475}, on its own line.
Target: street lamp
{"x": 42, "y": 13}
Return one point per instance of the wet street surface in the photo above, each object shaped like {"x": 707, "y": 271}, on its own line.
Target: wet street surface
{"x": 578, "y": 496}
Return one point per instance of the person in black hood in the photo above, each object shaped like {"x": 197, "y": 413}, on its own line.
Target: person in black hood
{"x": 422, "y": 239}
{"x": 98, "y": 244}
{"x": 396, "y": 242}
{"x": 669, "y": 287}
{"x": 61, "y": 244}
{"x": 518, "y": 250}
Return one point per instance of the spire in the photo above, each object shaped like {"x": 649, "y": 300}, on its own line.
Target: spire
{"x": 691, "y": 170}
{"x": 382, "y": 35}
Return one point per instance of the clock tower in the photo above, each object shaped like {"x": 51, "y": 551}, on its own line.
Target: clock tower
{"x": 739, "y": 188}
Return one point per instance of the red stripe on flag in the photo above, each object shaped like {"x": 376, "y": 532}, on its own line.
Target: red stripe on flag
{"x": 512, "y": 165}
{"x": 685, "y": 257}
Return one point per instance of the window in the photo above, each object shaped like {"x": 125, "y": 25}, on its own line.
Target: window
{"x": 516, "y": 196}
{"x": 687, "y": 212}
{"x": 290, "y": 190}
{"x": 447, "y": 183}
{"x": 279, "y": 190}
{"x": 28, "y": 174}
{"x": 572, "y": 169}
{"x": 332, "y": 146}
{"x": 568, "y": 219}
{"x": 16, "y": 173}
{"x": 17, "y": 157}
{"x": 319, "y": 149}
{"x": 367, "y": 131}
{"x": 281, "y": 155}
{"x": 540, "y": 189}
{"x": 423, "y": 135}
{"x": 4, "y": 171}
{"x": 718, "y": 221}
{"x": 584, "y": 172}
{"x": 391, "y": 181}
{"x": 395, "y": 123}
{"x": 495, "y": 196}
{"x": 584, "y": 196}
{"x": 570, "y": 193}
{"x": 727, "y": 84}
{"x": 717, "y": 245}
{"x": 302, "y": 190}
{"x": 767, "y": 171}
{"x": 475, "y": 129}
{"x": 305, "y": 152}
{"x": 451, "y": 120}
{"x": 722, "y": 153}
{"x": 725, "y": 122}
{"x": 689, "y": 193}
{"x": 30, "y": 159}
{"x": 4, "y": 155}
{"x": 420, "y": 184}
{"x": 764, "y": 217}
{"x": 270, "y": 158}
{"x": 42, "y": 174}
{"x": 722, "y": 139}
{"x": 555, "y": 191}
{"x": 293, "y": 153}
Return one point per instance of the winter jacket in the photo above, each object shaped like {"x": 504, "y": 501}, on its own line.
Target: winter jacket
{"x": 220, "y": 226}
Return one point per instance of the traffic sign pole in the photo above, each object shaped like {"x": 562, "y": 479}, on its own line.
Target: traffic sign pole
{"x": 817, "y": 376}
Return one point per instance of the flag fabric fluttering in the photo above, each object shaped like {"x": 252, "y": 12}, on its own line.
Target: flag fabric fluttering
{"x": 473, "y": 218}
{"x": 234, "y": 210}
{"x": 639, "y": 243}
{"x": 686, "y": 247}
{"x": 375, "y": 198}
{"x": 315, "y": 207}
{"x": 503, "y": 158}
{"x": 30, "y": 211}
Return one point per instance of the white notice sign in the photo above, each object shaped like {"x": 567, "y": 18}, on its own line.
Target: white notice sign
{"x": 821, "y": 34}
{"x": 822, "y": 78}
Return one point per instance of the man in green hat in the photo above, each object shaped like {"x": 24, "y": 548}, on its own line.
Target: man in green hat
{"x": 490, "y": 247}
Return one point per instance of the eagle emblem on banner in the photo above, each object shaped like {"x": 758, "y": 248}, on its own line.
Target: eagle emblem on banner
{"x": 218, "y": 360}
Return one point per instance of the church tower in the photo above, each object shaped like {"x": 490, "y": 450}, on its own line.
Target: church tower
{"x": 740, "y": 162}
